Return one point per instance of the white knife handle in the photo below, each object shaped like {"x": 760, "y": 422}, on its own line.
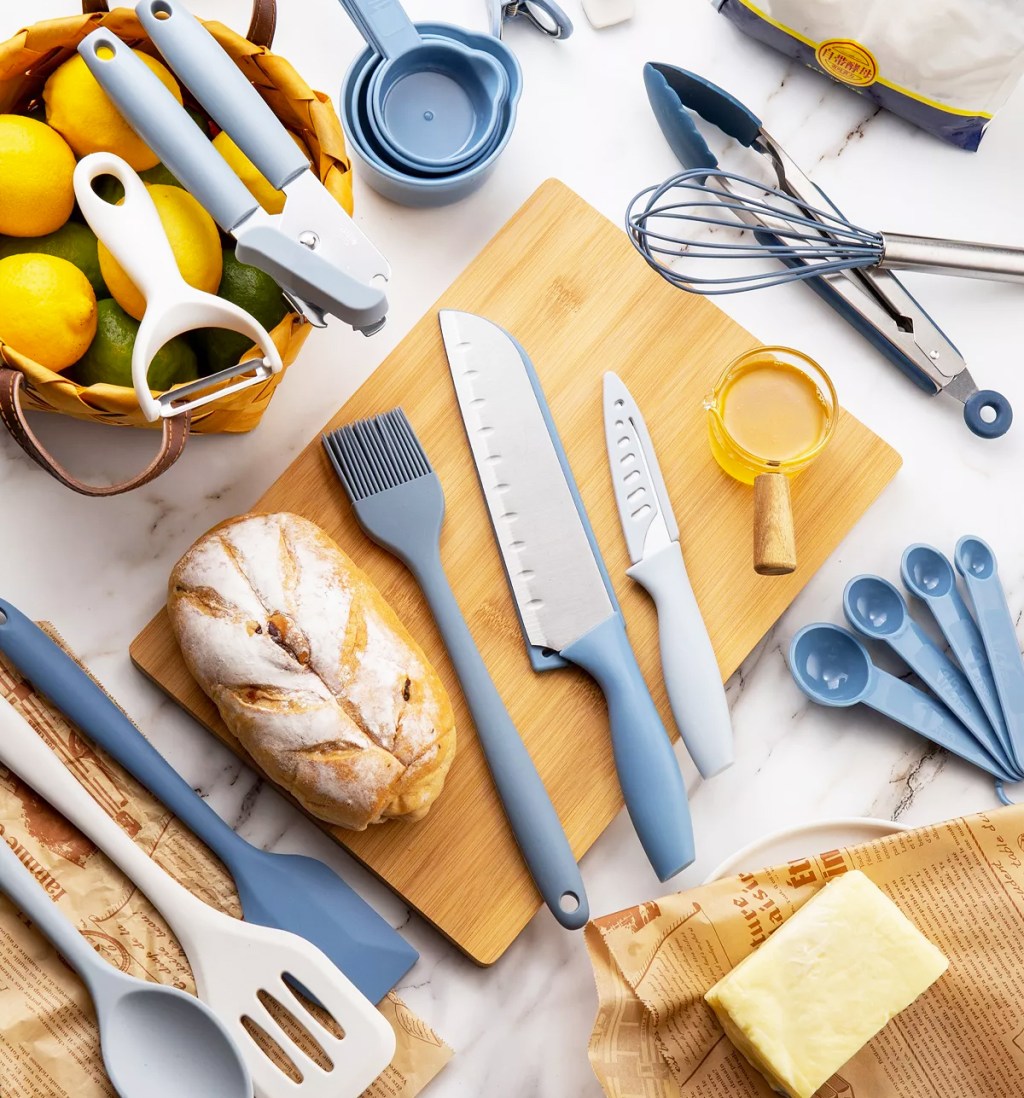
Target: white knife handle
{"x": 692, "y": 678}
{"x": 24, "y": 752}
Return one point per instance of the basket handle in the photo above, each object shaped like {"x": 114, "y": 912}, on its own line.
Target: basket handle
{"x": 13, "y": 415}
{"x": 261, "y": 28}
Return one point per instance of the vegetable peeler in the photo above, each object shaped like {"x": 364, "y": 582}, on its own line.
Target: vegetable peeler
{"x": 874, "y": 301}
{"x": 313, "y": 250}
{"x": 134, "y": 235}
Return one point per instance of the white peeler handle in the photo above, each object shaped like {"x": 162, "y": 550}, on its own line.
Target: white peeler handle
{"x": 692, "y": 678}
{"x": 132, "y": 232}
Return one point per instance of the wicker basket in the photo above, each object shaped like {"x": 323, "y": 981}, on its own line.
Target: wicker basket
{"x": 26, "y": 61}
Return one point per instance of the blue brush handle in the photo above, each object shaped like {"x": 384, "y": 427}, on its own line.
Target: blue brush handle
{"x": 161, "y": 121}
{"x": 996, "y": 625}
{"x": 385, "y": 26}
{"x": 531, "y": 815}
{"x": 25, "y": 892}
{"x": 923, "y": 714}
{"x": 649, "y": 774}
{"x": 56, "y": 675}
{"x": 954, "y": 619}
{"x": 225, "y": 94}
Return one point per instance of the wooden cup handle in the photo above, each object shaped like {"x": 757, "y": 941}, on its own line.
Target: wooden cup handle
{"x": 774, "y": 539}
{"x": 261, "y": 28}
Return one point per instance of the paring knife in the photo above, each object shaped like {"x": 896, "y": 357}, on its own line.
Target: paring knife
{"x": 555, "y": 577}
{"x": 692, "y": 679}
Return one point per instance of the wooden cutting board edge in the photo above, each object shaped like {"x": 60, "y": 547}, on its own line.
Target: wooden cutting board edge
{"x": 157, "y": 632}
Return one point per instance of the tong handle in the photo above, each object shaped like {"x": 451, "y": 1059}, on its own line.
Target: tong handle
{"x": 161, "y": 121}
{"x": 225, "y": 94}
{"x": 962, "y": 258}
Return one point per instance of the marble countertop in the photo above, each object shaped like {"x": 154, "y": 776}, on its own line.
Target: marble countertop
{"x": 97, "y": 569}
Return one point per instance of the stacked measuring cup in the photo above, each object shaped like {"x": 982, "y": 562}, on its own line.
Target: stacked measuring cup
{"x": 975, "y": 705}
{"x": 428, "y": 108}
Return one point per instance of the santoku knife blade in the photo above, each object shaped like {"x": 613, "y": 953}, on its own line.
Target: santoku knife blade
{"x": 555, "y": 577}
{"x": 692, "y": 679}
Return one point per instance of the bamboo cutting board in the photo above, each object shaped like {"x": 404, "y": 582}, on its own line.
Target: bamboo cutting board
{"x": 568, "y": 284}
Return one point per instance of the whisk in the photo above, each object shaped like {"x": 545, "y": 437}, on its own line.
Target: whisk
{"x": 711, "y": 214}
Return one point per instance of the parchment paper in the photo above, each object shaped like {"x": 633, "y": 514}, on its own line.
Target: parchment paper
{"x": 960, "y": 882}
{"x": 48, "y": 1040}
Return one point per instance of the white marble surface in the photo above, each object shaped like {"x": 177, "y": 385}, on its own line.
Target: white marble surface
{"x": 97, "y": 568}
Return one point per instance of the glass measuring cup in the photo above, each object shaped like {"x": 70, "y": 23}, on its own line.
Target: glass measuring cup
{"x": 770, "y": 415}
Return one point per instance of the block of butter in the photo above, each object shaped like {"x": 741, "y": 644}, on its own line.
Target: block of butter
{"x": 824, "y": 984}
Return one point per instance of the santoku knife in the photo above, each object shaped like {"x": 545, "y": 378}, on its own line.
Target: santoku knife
{"x": 555, "y": 577}
{"x": 692, "y": 679}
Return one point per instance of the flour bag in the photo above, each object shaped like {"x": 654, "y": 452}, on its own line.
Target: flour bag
{"x": 945, "y": 65}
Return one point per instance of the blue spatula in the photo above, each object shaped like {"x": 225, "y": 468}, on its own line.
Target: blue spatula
{"x": 286, "y": 891}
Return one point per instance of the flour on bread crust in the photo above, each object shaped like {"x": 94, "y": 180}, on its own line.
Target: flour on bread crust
{"x": 312, "y": 671}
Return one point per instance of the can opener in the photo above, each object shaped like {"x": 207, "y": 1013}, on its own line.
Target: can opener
{"x": 313, "y": 250}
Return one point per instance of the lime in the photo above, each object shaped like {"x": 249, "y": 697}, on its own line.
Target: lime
{"x": 109, "y": 358}
{"x": 257, "y": 293}
{"x": 74, "y": 242}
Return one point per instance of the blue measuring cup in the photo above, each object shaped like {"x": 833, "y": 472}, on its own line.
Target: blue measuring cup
{"x": 433, "y": 103}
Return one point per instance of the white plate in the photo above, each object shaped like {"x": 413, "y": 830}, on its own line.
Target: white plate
{"x": 798, "y": 842}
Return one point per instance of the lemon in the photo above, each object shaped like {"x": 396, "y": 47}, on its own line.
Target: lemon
{"x": 257, "y": 293}
{"x": 78, "y": 108}
{"x": 47, "y": 309}
{"x": 37, "y": 168}
{"x": 109, "y": 358}
{"x": 195, "y": 242}
{"x": 74, "y": 242}
{"x": 271, "y": 199}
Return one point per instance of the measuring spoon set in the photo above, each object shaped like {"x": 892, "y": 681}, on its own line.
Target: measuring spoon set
{"x": 975, "y": 708}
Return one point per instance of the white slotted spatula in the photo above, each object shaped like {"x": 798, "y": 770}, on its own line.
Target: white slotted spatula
{"x": 232, "y": 961}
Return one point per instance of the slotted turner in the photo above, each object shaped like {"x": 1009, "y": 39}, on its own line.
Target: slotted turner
{"x": 287, "y": 891}
{"x": 232, "y": 961}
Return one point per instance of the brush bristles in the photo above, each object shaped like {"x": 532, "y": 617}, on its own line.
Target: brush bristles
{"x": 372, "y": 455}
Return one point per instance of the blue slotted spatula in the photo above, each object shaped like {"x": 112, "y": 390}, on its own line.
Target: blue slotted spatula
{"x": 286, "y": 891}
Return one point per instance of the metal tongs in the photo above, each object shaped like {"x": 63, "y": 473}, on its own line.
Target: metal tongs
{"x": 874, "y": 301}
{"x": 313, "y": 250}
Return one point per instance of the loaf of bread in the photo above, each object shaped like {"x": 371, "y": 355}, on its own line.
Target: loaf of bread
{"x": 312, "y": 671}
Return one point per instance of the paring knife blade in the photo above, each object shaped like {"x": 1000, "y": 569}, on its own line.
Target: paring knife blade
{"x": 692, "y": 678}
{"x": 555, "y": 577}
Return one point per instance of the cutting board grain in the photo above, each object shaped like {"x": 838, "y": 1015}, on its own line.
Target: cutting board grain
{"x": 569, "y": 285}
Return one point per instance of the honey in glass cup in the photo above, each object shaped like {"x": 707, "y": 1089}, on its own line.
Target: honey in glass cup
{"x": 771, "y": 413}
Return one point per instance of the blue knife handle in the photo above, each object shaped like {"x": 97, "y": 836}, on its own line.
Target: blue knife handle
{"x": 531, "y": 815}
{"x": 649, "y": 774}
{"x": 56, "y": 675}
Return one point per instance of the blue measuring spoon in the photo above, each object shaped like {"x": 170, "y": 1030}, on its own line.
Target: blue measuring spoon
{"x": 876, "y": 609}
{"x": 929, "y": 575}
{"x": 833, "y": 668}
{"x": 976, "y": 562}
